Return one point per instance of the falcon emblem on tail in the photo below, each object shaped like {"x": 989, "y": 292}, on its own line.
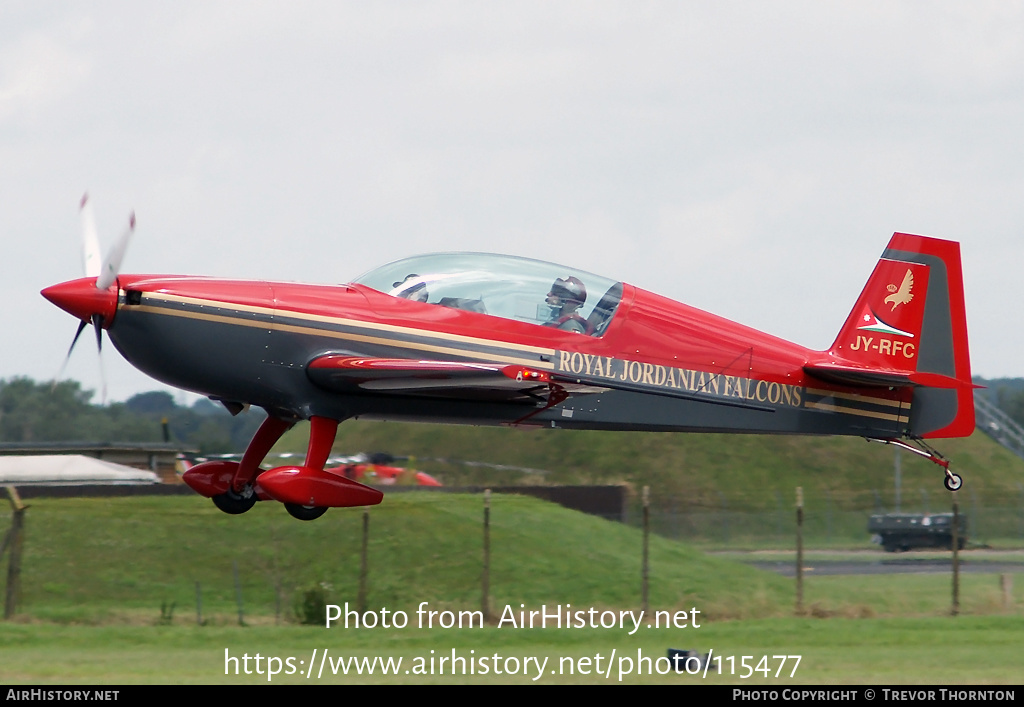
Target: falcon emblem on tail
{"x": 903, "y": 295}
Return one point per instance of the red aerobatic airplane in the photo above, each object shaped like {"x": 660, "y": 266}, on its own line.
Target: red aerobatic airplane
{"x": 489, "y": 339}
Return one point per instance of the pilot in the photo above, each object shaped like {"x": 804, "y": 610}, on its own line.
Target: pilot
{"x": 565, "y": 298}
{"x": 415, "y": 290}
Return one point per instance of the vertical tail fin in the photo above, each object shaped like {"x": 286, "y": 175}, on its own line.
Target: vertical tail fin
{"x": 909, "y": 327}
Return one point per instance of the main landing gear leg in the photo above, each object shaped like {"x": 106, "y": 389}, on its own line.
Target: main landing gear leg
{"x": 952, "y": 481}
{"x": 240, "y": 496}
{"x": 322, "y": 433}
{"x": 308, "y": 490}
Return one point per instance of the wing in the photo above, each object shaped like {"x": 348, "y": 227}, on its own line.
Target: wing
{"x": 344, "y": 373}
{"x": 450, "y": 379}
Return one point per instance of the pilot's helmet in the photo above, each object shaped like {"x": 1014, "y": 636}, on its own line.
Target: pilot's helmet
{"x": 570, "y": 289}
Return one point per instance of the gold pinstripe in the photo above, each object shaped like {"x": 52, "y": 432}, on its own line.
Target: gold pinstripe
{"x": 390, "y": 328}
{"x": 856, "y": 396}
{"x": 340, "y": 320}
{"x": 853, "y": 411}
{"x": 274, "y": 326}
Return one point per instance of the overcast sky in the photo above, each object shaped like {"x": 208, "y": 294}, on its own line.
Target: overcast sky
{"x": 748, "y": 158}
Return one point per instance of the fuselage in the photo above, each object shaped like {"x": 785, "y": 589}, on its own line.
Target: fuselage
{"x": 485, "y": 339}
{"x": 667, "y": 366}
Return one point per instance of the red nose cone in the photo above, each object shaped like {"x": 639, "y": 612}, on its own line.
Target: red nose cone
{"x": 81, "y": 299}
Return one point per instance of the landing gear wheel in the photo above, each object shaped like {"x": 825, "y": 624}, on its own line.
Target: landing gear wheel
{"x": 953, "y": 481}
{"x": 235, "y": 503}
{"x": 305, "y": 512}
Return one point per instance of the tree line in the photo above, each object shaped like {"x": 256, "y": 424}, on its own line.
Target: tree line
{"x": 1006, "y": 393}
{"x": 32, "y": 411}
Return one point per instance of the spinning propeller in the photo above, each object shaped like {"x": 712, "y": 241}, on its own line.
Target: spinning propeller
{"x": 93, "y": 299}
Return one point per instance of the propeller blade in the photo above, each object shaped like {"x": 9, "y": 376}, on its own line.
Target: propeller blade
{"x": 112, "y": 264}
{"x": 78, "y": 302}
{"x": 97, "y": 324}
{"x": 60, "y": 374}
{"x": 91, "y": 257}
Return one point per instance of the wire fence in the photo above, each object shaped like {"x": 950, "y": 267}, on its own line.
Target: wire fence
{"x": 744, "y": 519}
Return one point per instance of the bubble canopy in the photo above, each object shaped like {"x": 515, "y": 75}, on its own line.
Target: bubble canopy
{"x": 498, "y": 285}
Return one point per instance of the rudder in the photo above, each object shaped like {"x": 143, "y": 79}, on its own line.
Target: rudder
{"x": 909, "y": 327}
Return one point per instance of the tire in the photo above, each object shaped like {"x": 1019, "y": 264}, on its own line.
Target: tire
{"x": 953, "y": 482}
{"x": 305, "y": 512}
{"x": 234, "y": 503}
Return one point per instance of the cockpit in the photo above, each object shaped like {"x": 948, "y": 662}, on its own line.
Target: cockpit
{"x": 520, "y": 289}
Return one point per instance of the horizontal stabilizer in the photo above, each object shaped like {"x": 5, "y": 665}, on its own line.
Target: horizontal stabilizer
{"x": 873, "y": 377}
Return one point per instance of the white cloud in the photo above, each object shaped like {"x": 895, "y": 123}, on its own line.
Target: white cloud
{"x": 38, "y": 72}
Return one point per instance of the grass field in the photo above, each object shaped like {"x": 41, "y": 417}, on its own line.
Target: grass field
{"x": 110, "y": 597}
{"x": 945, "y": 651}
{"x": 86, "y": 560}
{"x": 710, "y": 471}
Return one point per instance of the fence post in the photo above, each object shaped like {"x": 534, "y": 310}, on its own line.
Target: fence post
{"x": 725, "y": 517}
{"x": 364, "y": 562}
{"x": 485, "y": 580}
{"x": 238, "y": 593}
{"x": 828, "y": 516}
{"x": 956, "y": 555}
{"x": 644, "y": 571}
{"x": 799, "y": 550}
{"x": 1020, "y": 510}
{"x": 199, "y": 605}
{"x": 277, "y": 578}
{"x": 14, "y": 540}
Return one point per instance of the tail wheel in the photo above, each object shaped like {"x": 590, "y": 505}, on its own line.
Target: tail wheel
{"x": 952, "y": 481}
{"x": 235, "y": 503}
{"x": 305, "y": 512}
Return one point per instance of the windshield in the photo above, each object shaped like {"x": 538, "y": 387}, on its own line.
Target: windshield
{"x": 503, "y": 286}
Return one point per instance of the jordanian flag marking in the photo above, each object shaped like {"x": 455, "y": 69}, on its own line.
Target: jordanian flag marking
{"x": 873, "y": 323}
